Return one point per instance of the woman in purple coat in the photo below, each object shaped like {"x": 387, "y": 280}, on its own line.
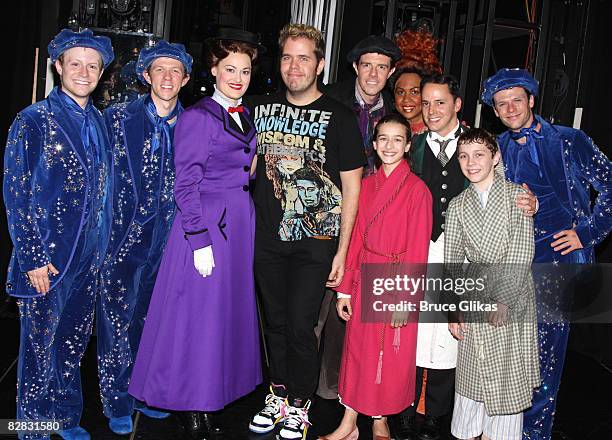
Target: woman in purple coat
{"x": 200, "y": 345}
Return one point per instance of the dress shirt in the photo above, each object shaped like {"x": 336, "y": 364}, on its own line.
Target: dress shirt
{"x": 226, "y": 103}
{"x": 432, "y": 137}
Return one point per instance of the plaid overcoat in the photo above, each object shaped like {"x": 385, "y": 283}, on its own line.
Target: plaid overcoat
{"x": 496, "y": 365}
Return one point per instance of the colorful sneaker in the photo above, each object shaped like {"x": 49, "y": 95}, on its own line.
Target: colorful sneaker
{"x": 295, "y": 426}
{"x": 274, "y": 411}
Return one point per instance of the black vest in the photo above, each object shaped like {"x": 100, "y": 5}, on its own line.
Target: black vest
{"x": 444, "y": 183}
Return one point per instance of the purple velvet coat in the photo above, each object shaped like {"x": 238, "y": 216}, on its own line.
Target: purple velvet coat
{"x": 200, "y": 344}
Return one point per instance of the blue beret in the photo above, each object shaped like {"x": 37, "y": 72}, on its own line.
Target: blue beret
{"x": 505, "y": 79}
{"x": 67, "y": 39}
{"x": 162, "y": 49}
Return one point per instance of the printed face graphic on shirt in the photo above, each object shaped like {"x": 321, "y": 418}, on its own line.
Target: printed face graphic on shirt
{"x": 290, "y": 164}
{"x": 292, "y": 141}
{"x": 309, "y": 193}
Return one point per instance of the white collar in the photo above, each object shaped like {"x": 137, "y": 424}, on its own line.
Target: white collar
{"x": 223, "y": 100}
{"x": 435, "y": 136}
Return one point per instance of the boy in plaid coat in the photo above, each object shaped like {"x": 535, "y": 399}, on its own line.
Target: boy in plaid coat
{"x": 497, "y": 364}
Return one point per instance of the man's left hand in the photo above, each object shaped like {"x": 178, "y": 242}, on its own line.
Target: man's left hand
{"x": 337, "y": 272}
{"x": 567, "y": 241}
{"x": 526, "y": 201}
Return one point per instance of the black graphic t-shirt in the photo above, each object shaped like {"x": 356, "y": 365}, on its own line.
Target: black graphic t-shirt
{"x": 300, "y": 153}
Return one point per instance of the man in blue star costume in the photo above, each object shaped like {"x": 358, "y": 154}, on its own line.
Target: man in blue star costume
{"x": 560, "y": 165}
{"x": 141, "y": 134}
{"x": 56, "y": 191}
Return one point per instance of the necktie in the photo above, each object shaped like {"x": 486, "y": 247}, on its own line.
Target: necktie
{"x": 442, "y": 157}
{"x": 89, "y": 134}
{"x": 161, "y": 128}
{"x": 238, "y": 108}
{"x": 530, "y": 136}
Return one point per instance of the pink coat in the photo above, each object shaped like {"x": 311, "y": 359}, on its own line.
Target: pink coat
{"x": 377, "y": 374}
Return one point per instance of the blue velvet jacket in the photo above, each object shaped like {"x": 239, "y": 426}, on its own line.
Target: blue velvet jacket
{"x": 130, "y": 132}
{"x": 46, "y": 189}
{"x": 573, "y": 164}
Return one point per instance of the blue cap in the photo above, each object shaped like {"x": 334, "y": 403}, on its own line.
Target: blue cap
{"x": 162, "y": 49}
{"x": 67, "y": 39}
{"x": 505, "y": 79}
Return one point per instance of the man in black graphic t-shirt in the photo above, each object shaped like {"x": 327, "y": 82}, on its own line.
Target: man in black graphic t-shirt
{"x": 316, "y": 138}
{"x": 309, "y": 165}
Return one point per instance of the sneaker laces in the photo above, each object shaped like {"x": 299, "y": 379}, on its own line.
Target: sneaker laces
{"x": 296, "y": 417}
{"x": 273, "y": 405}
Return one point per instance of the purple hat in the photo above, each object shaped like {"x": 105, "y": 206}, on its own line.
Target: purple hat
{"x": 162, "y": 49}
{"x": 505, "y": 79}
{"x": 67, "y": 39}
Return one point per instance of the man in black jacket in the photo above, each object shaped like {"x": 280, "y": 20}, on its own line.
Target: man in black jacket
{"x": 373, "y": 59}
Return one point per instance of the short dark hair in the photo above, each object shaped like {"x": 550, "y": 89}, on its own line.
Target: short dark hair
{"x": 439, "y": 78}
{"x": 306, "y": 173}
{"x": 220, "y": 49}
{"x": 400, "y": 71}
{"x": 478, "y": 136}
{"x": 397, "y": 119}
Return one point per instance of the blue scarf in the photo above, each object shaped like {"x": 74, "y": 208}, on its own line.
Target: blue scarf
{"x": 161, "y": 127}
{"x": 530, "y": 134}
{"x": 89, "y": 133}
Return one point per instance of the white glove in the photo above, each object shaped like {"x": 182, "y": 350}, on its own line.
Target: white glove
{"x": 204, "y": 261}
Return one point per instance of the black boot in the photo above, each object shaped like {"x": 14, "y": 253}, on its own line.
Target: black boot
{"x": 430, "y": 430}
{"x": 403, "y": 424}
{"x": 194, "y": 425}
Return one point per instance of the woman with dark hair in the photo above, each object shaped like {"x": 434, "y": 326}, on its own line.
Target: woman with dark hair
{"x": 377, "y": 373}
{"x": 406, "y": 83}
{"x": 200, "y": 346}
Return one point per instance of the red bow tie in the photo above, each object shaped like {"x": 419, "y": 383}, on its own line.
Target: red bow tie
{"x": 238, "y": 109}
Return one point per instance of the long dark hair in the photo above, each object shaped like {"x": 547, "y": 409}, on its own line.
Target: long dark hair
{"x": 394, "y": 118}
